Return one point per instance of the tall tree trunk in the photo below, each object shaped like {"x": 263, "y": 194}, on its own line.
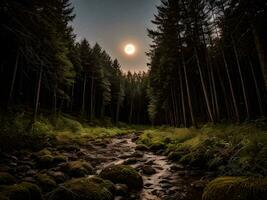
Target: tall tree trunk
{"x": 227, "y": 71}
{"x": 175, "y": 115}
{"x": 13, "y": 80}
{"x": 72, "y": 97}
{"x": 188, "y": 94}
{"x": 84, "y": 88}
{"x": 117, "y": 111}
{"x": 92, "y": 99}
{"x": 224, "y": 94}
{"x": 131, "y": 112}
{"x": 215, "y": 94}
{"x": 38, "y": 94}
{"x": 209, "y": 71}
{"x": 55, "y": 99}
{"x": 242, "y": 79}
{"x": 261, "y": 46}
{"x": 257, "y": 88}
{"x": 210, "y": 60}
{"x": 182, "y": 96}
{"x": 204, "y": 87}
{"x": 231, "y": 86}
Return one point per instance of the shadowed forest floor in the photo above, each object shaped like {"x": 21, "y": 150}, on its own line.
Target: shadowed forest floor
{"x": 141, "y": 162}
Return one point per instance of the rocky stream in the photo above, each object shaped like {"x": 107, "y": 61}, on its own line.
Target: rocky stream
{"x": 52, "y": 167}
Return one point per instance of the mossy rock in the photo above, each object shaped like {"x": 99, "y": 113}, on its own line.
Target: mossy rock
{"x": 130, "y": 161}
{"x": 141, "y": 147}
{"x": 83, "y": 189}
{"x": 60, "y": 159}
{"x": 45, "y": 182}
{"x": 77, "y": 168}
{"x": 45, "y": 161}
{"x": 148, "y": 170}
{"x": 6, "y": 179}
{"x": 123, "y": 174}
{"x": 22, "y": 191}
{"x": 175, "y": 155}
{"x": 103, "y": 183}
{"x": 157, "y": 147}
{"x": 236, "y": 188}
{"x": 43, "y": 152}
{"x": 3, "y": 197}
{"x": 195, "y": 159}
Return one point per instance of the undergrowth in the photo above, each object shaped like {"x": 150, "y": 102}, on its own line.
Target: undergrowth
{"x": 227, "y": 149}
{"x": 18, "y": 132}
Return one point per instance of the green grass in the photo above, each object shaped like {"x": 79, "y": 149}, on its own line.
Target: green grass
{"x": 233, "y": 188}
{"x": 225, "y": 148}
{"x": 18, "y": 132}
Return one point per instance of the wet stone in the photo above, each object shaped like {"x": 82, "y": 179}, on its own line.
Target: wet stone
{"x": 148, "y": 170}
{"x": 121, "y": 189}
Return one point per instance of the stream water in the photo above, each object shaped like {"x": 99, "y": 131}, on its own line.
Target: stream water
{"x": 169, "y": 181}
{"x": 163, "y": 179}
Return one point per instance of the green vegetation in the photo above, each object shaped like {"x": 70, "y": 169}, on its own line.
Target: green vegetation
{"x": 6, "y": 178}
{"x": 227, "y": 149}
{"x": 19, "y": 133}
{"x": 123, "y": 174}
{"x": 45, "y": 182}
{"x": 22, "y": 191}
{"x": 84, "y": 189}
{"x": 236, "y": 188}
{"x": 77, "y": 168}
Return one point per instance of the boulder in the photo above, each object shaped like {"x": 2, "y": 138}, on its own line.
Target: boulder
{"x": 84, "y": 189}
{"x": 6, "y": 179}
{"x": 123, "y": 174}
{"x": 130, "y": 161}
{"x": 45, "y": 161}
{"x": 121, "y": 190}
{"x": 59, "y": 159}
{"x": 77, "y": 168}
{"x": 157, "y": 147}
{"x": 148, "y": 170}
{"x": 141, "y": 147}
{"x": 46, "y": 182}
{"x": 22, "y": 191}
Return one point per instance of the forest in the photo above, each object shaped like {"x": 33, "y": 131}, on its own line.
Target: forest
{"x": 75, "y": 125}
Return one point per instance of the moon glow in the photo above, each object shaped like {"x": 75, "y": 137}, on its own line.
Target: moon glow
{"x": 129, "y": 49}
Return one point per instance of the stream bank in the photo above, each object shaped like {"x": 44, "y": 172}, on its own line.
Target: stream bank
{"x": 57, "y": 164}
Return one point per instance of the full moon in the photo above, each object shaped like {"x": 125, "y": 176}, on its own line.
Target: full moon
{"x": 129, "y": 49}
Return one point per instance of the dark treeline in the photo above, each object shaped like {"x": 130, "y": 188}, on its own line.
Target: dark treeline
{"x": 207, "y": 64}
{"x": 208, "y": 61}
{"x": 44, "y": 69}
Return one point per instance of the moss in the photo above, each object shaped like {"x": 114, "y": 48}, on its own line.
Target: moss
{"x": 45, "y": 161}
{"x": 3, "y": 197}
{"x": 43, "y": 152}
{"x": 177, "y": 154}
{"x": 236, "y": 188}
{"x": 77, "y": 168}
{"x": 141, "y": 147}
{"x": 82, "y": 189}
{"x": 195, "y": 159}
{"x": 103, "y": 183}
{"x": 60, "y": 159}
{"x": 123, "y": 174}
{"x": 45, "y": 182}
{"x": 66, "y": 123}
{"x": 6, "y": 179}
{"x": 22, "y": 191}
{"x": 157, "y": 146}
{"x": 130, "y": 161}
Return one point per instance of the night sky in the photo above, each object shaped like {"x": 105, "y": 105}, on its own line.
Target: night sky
{"x": 113, "y": 24}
